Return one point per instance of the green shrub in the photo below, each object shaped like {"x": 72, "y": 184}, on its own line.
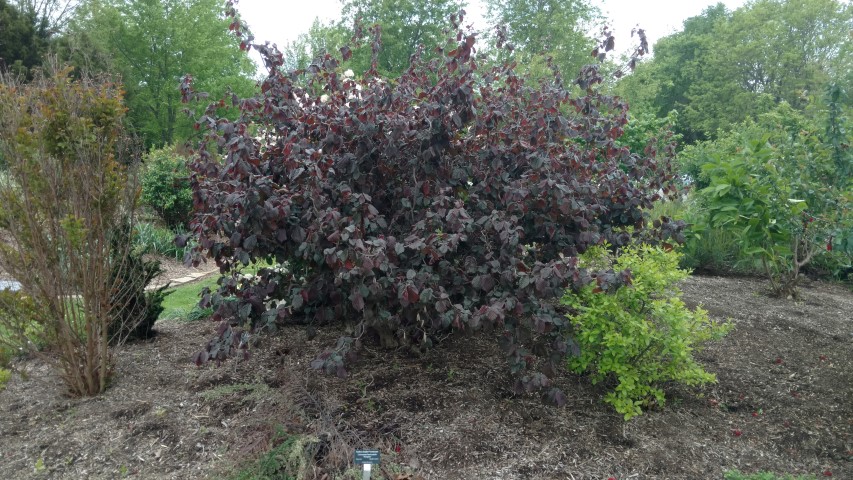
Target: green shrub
{"x": 166, "y": 187}
{"x": 5, "y": 375}
{"x": 775, "y": 187}
{"x": 642, "y": 334}
{"x": 135, "y": 309}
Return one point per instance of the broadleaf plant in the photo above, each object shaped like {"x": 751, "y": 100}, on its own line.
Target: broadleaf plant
{"x": 450, "y": 199}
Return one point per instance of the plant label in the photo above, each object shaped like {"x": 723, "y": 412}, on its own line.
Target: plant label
{"x": 366, "y": 458}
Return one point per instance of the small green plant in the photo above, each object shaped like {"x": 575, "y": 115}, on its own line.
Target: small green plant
{"x": 198, "y": 313}
{"x": 282, "y": 462}
{"x": 736, "y": 475}
{"x": 642, "y": 334}
{"x": 166, "y": 187}
{"x": 5, "y": 375}
{"x": 136, "y": 308}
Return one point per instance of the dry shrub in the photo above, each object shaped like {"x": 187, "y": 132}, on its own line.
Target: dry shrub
{"x": 68, "y": 197}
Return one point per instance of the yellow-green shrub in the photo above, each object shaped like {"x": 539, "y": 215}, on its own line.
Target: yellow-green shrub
{"x": 640, "y": 335}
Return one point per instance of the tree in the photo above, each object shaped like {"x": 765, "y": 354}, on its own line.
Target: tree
{"x": 320, "y": 39}
{"x": 53, "y": 14}
{"x": 680, "y": 60}
{"x": 448, "y": 200}
{"x": 770, "y": 52}
{"x": 755, "y": 57}
{"x": 541, "y": 28}
{"x": 23, "y": 39}
{"x": 68, "y": 202}
{"x": 405, "y": 26}
{"x": 153, "y": 43}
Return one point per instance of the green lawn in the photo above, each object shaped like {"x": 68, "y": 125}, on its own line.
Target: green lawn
{"x": 183, "y": 300}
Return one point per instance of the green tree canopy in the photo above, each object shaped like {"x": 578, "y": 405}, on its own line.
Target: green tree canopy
{"x": 405, "y": 25}
{"x": 320, "y": 38}
{"x": 24, "y": 38}
{"x": 725, "y": 67}
{"x": 153, "y": 43}
{"x": 556, "y": 28}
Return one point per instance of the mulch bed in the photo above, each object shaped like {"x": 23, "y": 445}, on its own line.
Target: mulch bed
{"x": 783, "y": 403}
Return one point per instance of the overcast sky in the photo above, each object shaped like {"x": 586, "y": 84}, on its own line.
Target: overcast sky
{"x": 280, "y": 21}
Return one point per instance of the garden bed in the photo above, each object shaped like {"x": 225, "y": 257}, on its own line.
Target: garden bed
{"x": 783, "y": 404}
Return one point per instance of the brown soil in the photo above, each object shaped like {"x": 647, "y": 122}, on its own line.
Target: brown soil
{"x": 784, "y": 403}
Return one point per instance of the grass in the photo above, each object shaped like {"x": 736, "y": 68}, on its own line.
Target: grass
{"x": 151, "y": 238}
{"x": 675, "y": 209}
{"x": 182, "y": 301}
{"x": 712, "y": 250}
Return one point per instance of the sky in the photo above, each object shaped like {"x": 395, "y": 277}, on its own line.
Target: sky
{"x": 281, "y": 21}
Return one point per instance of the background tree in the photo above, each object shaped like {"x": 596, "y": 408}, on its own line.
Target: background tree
{"x": 152, "y": 44}
{"x": 24, "y": 38}
{"x": 662, "y": 84}
{"x": 764, "y": 53}
{"x": 540, "y": 28}
{"x": 320, "y": 39}
{"x": 54, "y": 14}
{"x": 405, "y": 25}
